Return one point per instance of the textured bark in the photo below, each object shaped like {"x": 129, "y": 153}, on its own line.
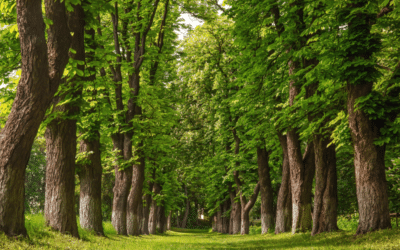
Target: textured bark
{"x": 135, "y": 197}
{"x": 123, "y": 182}
{"x": 186, "y": 215}
{"x": 246, "y": 207}
{"x": 325, "y": 198}
{"x": 284, "y": 202}
{"x": 169, "y": 220}
{"x": 225, "y": 219}
{"x": 146, "y": 208}
{"x": 154, "y": 210}
{"x": 309, "y": 173}
{"x": 90, "y": 215}
{"x": 369, "y": 163}
{"x": 267, "y": 205}
{"x": 162, "y": 220}
{"x": 214, "y": 223}
{"x": 61, "y": 143}
{"x": 40, "y": 77}
{"x": 140, "y": 215}
{"x": 236, "y": 212}
{"x": 219, "y": 221}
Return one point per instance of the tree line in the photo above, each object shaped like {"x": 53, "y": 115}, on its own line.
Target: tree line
{"x": 296, "y": 101}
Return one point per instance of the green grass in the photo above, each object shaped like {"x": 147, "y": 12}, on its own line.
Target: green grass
{"x": 42, "y": 237}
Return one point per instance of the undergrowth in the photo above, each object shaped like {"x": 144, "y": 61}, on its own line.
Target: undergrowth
{"x": 41, "y": 237}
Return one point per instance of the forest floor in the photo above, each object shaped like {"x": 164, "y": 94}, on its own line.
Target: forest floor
{"x": 41, "y": 237}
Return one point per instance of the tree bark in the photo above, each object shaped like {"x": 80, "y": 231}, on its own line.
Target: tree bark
{"x": 41, "y": 71}
{"x": 61, "y": 143}
{"x": 219, "y": 221}
{"x": 154, "y": 210}
{"x": 90, "y": 215}
{"x": 214, "y": 223}
{"x": 284, "y": 202}
{"x": 225, "y": 219}
{"x": 169, "y": 220}
{"x": 90, "y": 172}
{"x": 236, "y": 211}
{"x": 369, "y": 162}
{"x": 267, "y": 209}
{"x": 161, "y": 219}
{"x": 309, "y": 173}
{"x": 325, "y": 198}
{"x": 186, "y": 216}
{"x": 134, "y": 198}
{"x": 146, "y": 208}
{"x": 246, "y": 207}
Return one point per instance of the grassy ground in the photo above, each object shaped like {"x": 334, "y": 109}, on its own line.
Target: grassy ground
{"x": 43, "y": 238}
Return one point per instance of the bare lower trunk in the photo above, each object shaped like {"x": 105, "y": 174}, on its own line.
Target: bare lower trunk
{"x": 225, "y": 218}
{"x": 236, "y": 211}
{"x": 146, "y": 213}
{"x": 59, "y": 205}
{"x": 162, "y": 220}
{"x": 34, "y": 94}
{"x": 369, "y": 162}
{"x": 134, "y": 198}
{"x": 214, "y": 223}
{"x": 267, "y": 209}
{"x": 219, "y": 221}
{"x": 325, "y": 198}
{"x": 154, "y": 210}
{"x": 140, "y": 216}
{"x": 186, "y": 215}
{"x": 123, "y": 182}
{"x": 246, "y": 207}
{"x": 90, "y": 173}
{"x": 284, "y": 203}
{"x": 309, "y": 173}
{"x": 169, "y": 220}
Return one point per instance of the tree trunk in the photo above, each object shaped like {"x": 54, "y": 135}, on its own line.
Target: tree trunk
{"x": 214, "y": 223}
{"x": 154, "y": 210}
{"x": 169, "y": 220}
{"x": 162, "y": 219}
{"x": 225, "y": 219}
{"x": 325, "y": 198}
{"x": 267, "y": 209}
{"x": 41, "y": 71}
{"x": 219, "y": 221}
{"x": 246, "y": 207}
{"x": 134, "y": 198}
{"x": 186, "y": 216}
{"x": 284, "y": 203}
{"x": 148, "y": 198}
{"x": 90, "y": 173}
{"x": 61, "y": 143}
{"x": 369, "y": 162}
{"x": 236, "y": 211}
{"x": 140, "y": 215}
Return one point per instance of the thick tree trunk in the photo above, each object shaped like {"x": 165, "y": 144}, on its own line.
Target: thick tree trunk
{"x": 309, "y": 173}
{"x": 214, "y": 223}
{"x": 246, "y": 207}
{"x": 325, "y": 198}
{"x": 154, "y": 210}
{"x": 284, "y": 203}
{"x": 141, "y": 215}
{"x": 134, "y": 198}
{"x": 123, "y": 182}
{"x": 169, "y": 220}
{"x": 186, "y": 215}
{"x": 162, "y": 220}
{"x": 225, "y": 219}
{"x": 219, "y": 221}
{"x": 369, "y": 162}
{"x": 61, "y": 144}
{"x": 267, "y": 205}
{"x": 236, "y": 211}
{"x": 41, "y": 71}
{"x": 146, "y": 211}
{"x": 90, "y": 173}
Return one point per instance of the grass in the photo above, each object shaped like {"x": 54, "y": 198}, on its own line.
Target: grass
{"x": 41, "y": 237}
